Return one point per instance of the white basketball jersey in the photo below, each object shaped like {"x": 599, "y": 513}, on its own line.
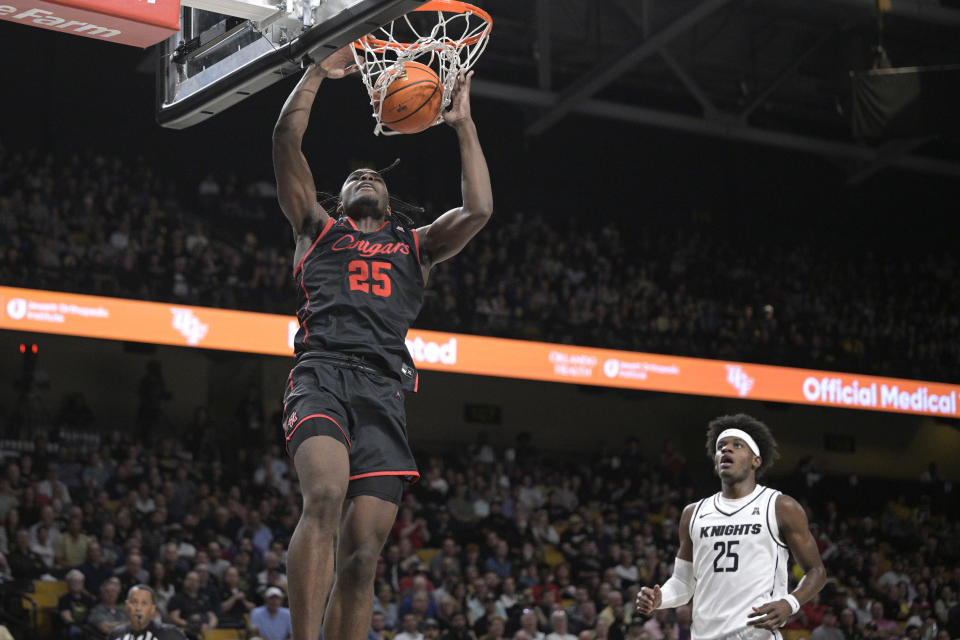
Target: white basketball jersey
{"x": 739, "y": 562}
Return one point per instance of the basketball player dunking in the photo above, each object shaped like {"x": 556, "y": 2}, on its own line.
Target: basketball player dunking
{"x": 734, "y": 545}
{"x": 360, "y": 273}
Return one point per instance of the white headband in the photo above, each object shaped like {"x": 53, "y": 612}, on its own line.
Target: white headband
{"x": 743, "y": 435}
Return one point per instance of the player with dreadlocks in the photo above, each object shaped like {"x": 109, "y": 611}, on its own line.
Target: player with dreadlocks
{"x": 360, "y": 274}
{"x": 734, "y": 545}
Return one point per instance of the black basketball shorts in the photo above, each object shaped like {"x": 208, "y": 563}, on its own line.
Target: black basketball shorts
{"x": 360, "y": 407}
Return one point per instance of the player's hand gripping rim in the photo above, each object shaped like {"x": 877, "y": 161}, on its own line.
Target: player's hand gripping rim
{"x": 335, "y": 66}
{"x": 459, "y": 111}
{"x": 648, "y": 599}
{"x": 770, "y": 616}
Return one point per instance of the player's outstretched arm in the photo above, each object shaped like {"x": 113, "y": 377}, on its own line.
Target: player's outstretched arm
{"x": 296, "y": 190}
{"x": 448, "y": 234}
{"x": 679, "y": 588}
{"x": 795, "y": 531}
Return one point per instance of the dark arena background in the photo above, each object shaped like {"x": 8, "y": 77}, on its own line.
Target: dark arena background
{"x": 690, "y": 184}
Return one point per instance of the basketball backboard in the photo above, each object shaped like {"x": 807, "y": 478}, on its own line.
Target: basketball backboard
{"x": 227, "y": 50}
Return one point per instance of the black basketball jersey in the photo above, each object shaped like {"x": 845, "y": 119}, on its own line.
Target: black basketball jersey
{"x": 359, "y": 292}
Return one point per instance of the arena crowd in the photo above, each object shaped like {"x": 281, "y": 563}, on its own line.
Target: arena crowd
{"x": 490, "y": 543}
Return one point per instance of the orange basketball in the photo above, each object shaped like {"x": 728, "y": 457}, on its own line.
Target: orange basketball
{"x": 412, "y": 100}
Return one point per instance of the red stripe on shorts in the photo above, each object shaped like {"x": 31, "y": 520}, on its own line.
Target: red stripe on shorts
{"x": 412, "y": 474}
{"x": 321, "y": 415}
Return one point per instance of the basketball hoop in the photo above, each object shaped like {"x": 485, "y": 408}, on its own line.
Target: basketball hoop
{"x": 450, "y": 45}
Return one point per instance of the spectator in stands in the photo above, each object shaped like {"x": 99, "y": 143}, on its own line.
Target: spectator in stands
{"x": 48, "y": 520}
{"x": 108, "y": 614}
{"x": 587, "y": 565}
{"x": 684, "y": 620}
{"x": 95, "y": 473}
{"x": 602, "y": 631}
{"x": 953, "y": 621}
{"x": 144, "y": 503}
{"x": 880, "y": 627}
{"x": 52, "y": 490}
{"x": 944, "y": 604}
{"x": 558, "y": 625}
{"x": 234, "y": 602}
{"x": 271, "y": 574}
{"x": 446, "y": 607}
{"x": 491, "y": 609}
{"x": 271, "y": 621}
{"x": 132, "y": 572}
{"x": 218, "y": 563}
{"x": 70, "y": 549}
{"x": 408, "y": 628}
{"x": 654, "y": 626}
{"x": 259, "y": 534}
{"x": 458, "y": 629}
{"x": 626, "y": 571}
{"x": 8, "y": 498}
{"x": 378, "y": 628}
{"x": 615, "y": 614}
{"x": 497, "y": 521}
{"x": 508, "y": 593}
{"x": 207, "y": 586}
{"x": 74, "y": 607}
{"x": 636, "y": 630}
{"x": 459, "y": 507}
{"x": 175, "y": 566}
{"x": 499, "y": 563}
{"x": 573, "y": 536}
{"x": 410, "y": 528}
{"x": 14, "y": 478}
{"x": 431, "y": 630}
{"x": 384, "y": 602}
{"x": 811, "y": 613}
{"x": 861, "y": 604}
{"x": 95, "y": 570}
{"x": 448, "y": 559}
{"x": 496, "y": 629}
{"x": 43, "y": 547}
{"x": 529, "y": 625}
{"x": 25, "y": 565}
{"x": 849, "y": 626}
{"x": 109, "y": 547}
{"x": 163, "y": 588}
{"x": 189, "y": 602}
{"x": 420, "y": 603}
{"x": 582, "y": 614}
{"x": 827, "y": 630}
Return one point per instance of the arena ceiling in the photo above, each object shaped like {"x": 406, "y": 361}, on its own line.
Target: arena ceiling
{"x": 768, "y": 72}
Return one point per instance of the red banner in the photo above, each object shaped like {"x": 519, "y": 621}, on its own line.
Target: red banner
{"x": 139, "y": 23}
{"x": 181, "y": 325}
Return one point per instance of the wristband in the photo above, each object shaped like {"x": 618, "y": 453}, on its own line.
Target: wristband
{"x": 793, "y": 602}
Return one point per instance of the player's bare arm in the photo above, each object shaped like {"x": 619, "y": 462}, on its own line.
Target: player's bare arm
{"x": 296, "y": 190}
{"x": 448, "y": 234}
{"x": 651, "y": 598}
{"x": 795, "y": 531}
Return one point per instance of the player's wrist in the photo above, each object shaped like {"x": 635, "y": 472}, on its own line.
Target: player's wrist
{"x": 464, "y": 125}
{"x": 791, "y": 600}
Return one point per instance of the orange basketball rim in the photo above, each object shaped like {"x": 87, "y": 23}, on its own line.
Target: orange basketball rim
{"x": 448, "y": 6}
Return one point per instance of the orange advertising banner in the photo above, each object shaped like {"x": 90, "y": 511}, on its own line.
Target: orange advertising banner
{"x": 140, "y": 23}
{"x": 181, "y": 325}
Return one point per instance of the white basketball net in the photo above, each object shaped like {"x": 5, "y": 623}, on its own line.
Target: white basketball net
{"x": 452, "y": 45}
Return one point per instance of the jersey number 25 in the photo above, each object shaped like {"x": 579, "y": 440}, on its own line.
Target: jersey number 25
{"x": 363, "y": 273}
{"x": 725, "y": 550}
